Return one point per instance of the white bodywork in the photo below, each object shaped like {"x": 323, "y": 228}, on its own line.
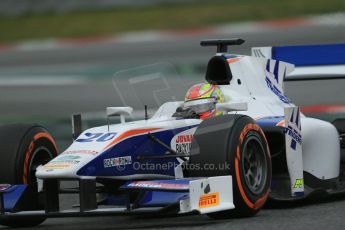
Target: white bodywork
{"x": 320, "y": 145}
{"x": 321, "y": 153}
{"x": 209, "y": 195}
{"x": 254, "y": 85}
{"x": 69, "y": 162}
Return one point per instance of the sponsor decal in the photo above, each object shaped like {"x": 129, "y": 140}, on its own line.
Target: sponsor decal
{"x": 152, "y": 184}
{"x": 277, "y": 92}
{"x": 66, "y": 159}
{"x": 145, "y": 185}
{"x": 183, "y": 144}
{"x": 4, "y": 187}
{"x": 209, "y": 200}
{"x": 207, "y": 188}
{"x": 294, "y": 129}
{"x": 92, "y": 152}
{"x": 273, "y": 79}
{"x": 296, "y": 138}
{"x": 298, "y": 183}
{"x": 117, "y": 161}
{"x": 56, "y": 166}
{"x": 184, "y": 138}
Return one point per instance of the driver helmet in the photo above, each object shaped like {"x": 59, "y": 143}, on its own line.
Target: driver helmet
{"x": 202, "y": 98}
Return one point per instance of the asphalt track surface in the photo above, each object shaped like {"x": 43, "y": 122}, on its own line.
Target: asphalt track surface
{"x": 58, "y": 98}
{"x": 326, "y": 214}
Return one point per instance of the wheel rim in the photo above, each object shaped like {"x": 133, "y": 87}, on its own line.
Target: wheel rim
{"x": 254, "y": 165}
{"x": 40, "y": 156}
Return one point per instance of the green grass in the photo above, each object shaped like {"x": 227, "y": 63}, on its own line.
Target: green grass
{"x": 112, "y": 21}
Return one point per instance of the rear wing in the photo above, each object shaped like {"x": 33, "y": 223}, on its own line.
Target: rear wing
{"x": 312, "y": 62}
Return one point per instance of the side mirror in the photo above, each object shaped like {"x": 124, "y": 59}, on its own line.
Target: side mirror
{"x": 232, "y": 106}
{"x": 119, "y": 111}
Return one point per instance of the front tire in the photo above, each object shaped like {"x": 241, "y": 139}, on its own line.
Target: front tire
{"x": 238, "y": 141}
{"x": 23, "y": 149}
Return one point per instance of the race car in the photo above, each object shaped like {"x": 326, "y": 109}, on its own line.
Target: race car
{"x": 235, "y": 141}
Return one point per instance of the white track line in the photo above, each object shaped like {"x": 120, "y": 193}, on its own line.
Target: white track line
{"x": 26, "y": 81}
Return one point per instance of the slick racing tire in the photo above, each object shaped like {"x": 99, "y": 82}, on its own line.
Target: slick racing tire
{"x": 22, "y": 149}
{"x": 238, "y": 142}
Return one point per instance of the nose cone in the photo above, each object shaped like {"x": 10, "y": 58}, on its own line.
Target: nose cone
{"x": 85, "y": 148}
{"x": 65, "y": 165}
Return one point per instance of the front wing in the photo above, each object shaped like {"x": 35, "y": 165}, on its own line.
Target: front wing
{"x": 181, "y": 196}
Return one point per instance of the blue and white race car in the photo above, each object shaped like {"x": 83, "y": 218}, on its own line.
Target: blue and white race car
{"x": 235, "y": 141}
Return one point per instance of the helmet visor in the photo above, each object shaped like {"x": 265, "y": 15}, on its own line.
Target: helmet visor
{"x": 201, "y": 105}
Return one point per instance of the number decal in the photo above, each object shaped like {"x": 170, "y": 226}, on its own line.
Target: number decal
{"x": 98, "y": 137}
{"x": 106, "y": 137}
{"x": 90, "y": 137}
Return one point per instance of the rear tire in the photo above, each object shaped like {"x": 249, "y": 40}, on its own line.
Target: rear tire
{"x": 340, "y": 126}
{"x": 23, "y": 148}
{"x": 238, "y": 141}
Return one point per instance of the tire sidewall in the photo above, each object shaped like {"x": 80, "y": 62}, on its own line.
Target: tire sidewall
{"x": 243, "y": 197}
{"x": 35, "y": 138}
{"x": 21, "y": 142}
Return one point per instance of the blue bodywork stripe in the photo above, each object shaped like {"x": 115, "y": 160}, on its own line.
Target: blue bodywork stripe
{"x": 310, "y": 55}
{"x": 173, "y": 184}
{"x": 158, "y": 198}
{"x": 228, "y": 56}
{"x": 276, "y": 72}
{"x": 134, "y": 147}
{"x": 299, "y": 194}
{"x": 119, "y": 199}
{"x": 268, "y": 64}
{"x": 11, "y": 198}
{"x": 269, "y": 121}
